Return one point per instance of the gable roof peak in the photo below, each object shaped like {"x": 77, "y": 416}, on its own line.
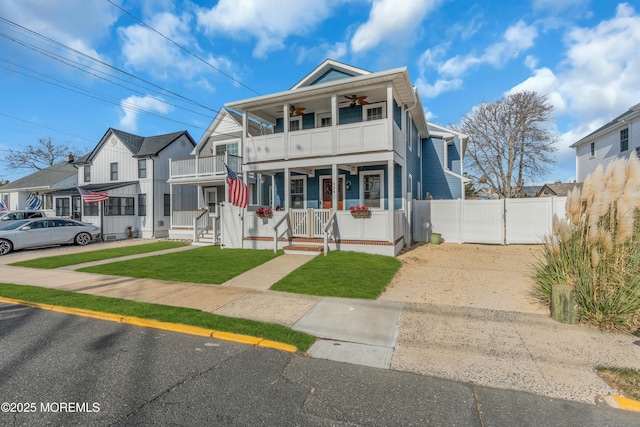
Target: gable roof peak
{"x": 326, "y": 66}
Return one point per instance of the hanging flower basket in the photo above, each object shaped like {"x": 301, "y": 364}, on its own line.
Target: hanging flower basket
{"x": 360, "y": 211}
{"x": 263, "y": 212}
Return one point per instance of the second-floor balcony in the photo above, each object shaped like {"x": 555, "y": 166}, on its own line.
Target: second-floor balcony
{"x": 203, "y": 168}
{"x": 352, "y": 138}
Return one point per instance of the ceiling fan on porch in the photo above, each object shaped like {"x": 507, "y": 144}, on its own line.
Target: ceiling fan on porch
{"x": 296, "y": 111}
{"x": 356, "y": 100}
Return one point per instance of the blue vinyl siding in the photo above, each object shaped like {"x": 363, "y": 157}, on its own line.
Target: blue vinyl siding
{"x": 413, "y": 162}
{"x": 397, "y": 114}
{"x": 434, "y": 180}
{"x": 331, "y": 76}
{"x": 350, "y": 115}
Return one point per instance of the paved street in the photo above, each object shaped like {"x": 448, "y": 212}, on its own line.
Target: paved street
{"x": 72, "y": 370}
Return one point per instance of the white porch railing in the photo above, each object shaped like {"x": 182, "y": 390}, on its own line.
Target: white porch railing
{"x": 308, "y": 222}
{"x": 203, "y": 166}
{"x": 349, "y": 138}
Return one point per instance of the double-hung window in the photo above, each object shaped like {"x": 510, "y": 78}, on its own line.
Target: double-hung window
{"x": 374, "y": 111}
{"x": 624, "y": 140}
{"x": 114, "y": 171}
{"x": 372, "y": 189}
{"x": 87, "y": 173}
{"x": 142, "y": 205}
{"x": 297, "y": 192}
{"x": 295, "y": 124}
{"x": 119, "y": 206}
{"x": 142, "y": 168}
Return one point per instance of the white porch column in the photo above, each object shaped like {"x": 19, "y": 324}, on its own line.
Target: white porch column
{"x": 285, "y": 125}
{"x": 334, "y": 124}
{"x": 170, "y": 205}
{"x": 287, "y": 189}
{"x": 390, "y": 199}
{"x": 390, "y": 117}
{"x": 335, "y": 190}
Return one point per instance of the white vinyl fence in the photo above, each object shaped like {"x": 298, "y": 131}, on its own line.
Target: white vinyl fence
{"x": 504, "y": 221}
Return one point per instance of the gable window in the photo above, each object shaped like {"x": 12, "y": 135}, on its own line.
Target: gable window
{"x": 114, "y": 171}
{"x": 295, "y": 124}
{"x": 371, "y": 189}
{"x": 298, "y": 192}
{"x": 231, "y": 149}
{"x": 142, "y": 168}
{"x": 119, "y": 206}
{"x": 624, "y": 139}
{"x": 87, "y": 173}
{"x": 374, "y": 111}
{"x": 592, "y": 149}
{"x": 142, "y": 205}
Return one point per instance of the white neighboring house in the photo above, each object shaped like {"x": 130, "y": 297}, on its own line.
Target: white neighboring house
{"x": 618, "y": 138}
{"x": 19, "y": 194}
{"x": 134, "y": 171}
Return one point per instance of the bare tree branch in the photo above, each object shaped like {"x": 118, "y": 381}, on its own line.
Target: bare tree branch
{"x": 39, "y": 156}
{"x": 509, "y": 141}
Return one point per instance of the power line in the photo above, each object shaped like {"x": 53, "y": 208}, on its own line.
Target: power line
{"x": 184, "y": 48}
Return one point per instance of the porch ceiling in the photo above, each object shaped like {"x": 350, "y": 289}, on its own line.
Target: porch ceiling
{"x": 318, "y": 97}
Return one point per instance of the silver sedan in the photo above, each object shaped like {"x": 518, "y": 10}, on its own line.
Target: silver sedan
{"x": 32, "y": 233}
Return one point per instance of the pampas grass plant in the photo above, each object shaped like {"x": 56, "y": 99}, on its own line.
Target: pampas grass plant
{"x": 596, "y": 248}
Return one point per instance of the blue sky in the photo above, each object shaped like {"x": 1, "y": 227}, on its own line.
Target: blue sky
{"x": 73, "y": 68}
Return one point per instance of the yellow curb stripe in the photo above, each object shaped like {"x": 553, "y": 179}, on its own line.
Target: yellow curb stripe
{"x": 278, "y": 346}
{"x": 156, "y": 324}
{"x": 229, "y": 336}
{"x": 627, "y": 404}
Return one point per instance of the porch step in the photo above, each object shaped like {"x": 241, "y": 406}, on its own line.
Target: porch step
{"x": 311, "y": 250}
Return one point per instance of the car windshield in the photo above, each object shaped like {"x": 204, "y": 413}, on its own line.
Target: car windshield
{"x": 13, "y": 225}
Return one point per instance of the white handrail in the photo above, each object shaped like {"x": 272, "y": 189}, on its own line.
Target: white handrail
{"x": 275, "y": 229}
{"x": 325, "y": 230}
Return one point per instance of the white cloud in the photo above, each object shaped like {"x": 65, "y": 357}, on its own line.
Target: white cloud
{"x": 269, "y": 22}
{"x": 391, "y": 20}
{"x": 79, "y": 24}
{"x": 441, "y": 86}
{"x": 516, "y": 39}
{"x": 134, "y": 105}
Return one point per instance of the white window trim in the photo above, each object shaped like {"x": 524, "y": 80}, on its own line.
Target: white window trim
{"x": 410, "y": 186}
{"x": 408, "y": 123}
{"x": 592, "y": 155}
{"x": 295, "y": 119}
{"x": 320, "y": 116}
{"x": 382, "y": 195}
{"x": 366, "y": 108}
{"x": 303, "y": 178}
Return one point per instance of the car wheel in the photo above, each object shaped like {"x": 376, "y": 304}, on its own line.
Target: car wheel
{"x": 5, "y": 247}
{"x": 83, "y": 239}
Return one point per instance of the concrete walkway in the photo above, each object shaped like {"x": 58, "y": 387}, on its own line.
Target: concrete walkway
{"x": 520, "y": 351}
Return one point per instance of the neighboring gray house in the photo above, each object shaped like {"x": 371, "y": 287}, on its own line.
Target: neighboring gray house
{"x": 18, "y": 194}
{"x": 559, "y": 189}
{"x": 618, "y": 138}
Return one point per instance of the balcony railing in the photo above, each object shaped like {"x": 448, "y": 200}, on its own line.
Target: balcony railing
{"x": 350, "y": 138}
{"x": 202, "y": 167}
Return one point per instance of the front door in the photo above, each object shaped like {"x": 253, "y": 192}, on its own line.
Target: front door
{"x": 76, "y": 204}
{"x": 327, "y": 194}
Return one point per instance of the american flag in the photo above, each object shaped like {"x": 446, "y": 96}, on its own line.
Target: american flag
{"x": 3, "y": 206}
{"x": 238, "y": 191}
{"x": 93, "y": 196}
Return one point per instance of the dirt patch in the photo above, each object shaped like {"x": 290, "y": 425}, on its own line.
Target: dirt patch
{"x": 482, "y": 276}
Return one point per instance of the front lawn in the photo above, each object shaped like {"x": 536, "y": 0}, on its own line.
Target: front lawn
{"x": 181, "y": 315}
{"x": 99, "y": 255}
{"x": 208, "y": 264}
{"x": 341, "y": 274}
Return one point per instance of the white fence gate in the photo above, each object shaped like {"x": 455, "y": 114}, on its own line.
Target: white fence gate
{"x": 504, "y": 221}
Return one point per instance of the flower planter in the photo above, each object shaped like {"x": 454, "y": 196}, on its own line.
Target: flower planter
{"x": 436, "y": 238}
{"x": 361, "y": 214}
{"x": 263, "y": 215}
{"x": 563, "y": 304}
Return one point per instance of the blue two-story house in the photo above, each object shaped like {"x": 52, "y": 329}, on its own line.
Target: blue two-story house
{"x": 344, "y": 153}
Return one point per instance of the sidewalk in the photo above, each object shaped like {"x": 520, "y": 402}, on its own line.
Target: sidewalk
{"x": 521, "y": 351}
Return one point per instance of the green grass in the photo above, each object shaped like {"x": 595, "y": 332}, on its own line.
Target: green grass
{"x": 625, "y": 381}
{"x": 209, "y": 265}
{"x": 186, "y": 316}
{"x": 99, "y": 255}
{"x": 342, "y": 274}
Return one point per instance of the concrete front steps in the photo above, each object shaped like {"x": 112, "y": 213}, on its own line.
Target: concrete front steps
{"x": 300, "y": 249}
